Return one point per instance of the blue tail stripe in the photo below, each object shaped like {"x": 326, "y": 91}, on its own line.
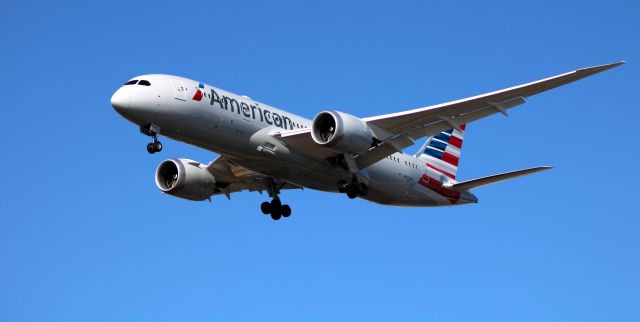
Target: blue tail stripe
{"x": 433, "y": 152}
{"x": 442, "y": 137}
{"x": 438, "y": 144}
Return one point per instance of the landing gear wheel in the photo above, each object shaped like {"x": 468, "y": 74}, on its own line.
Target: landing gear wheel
{"x": 275, "y": 208}
{"x": 152, "y": 130}
{"x": 353, "y": 188}
{"x": 286, "y": 211}
{"x": 154, "y": 147}
{"x": 265, "y": 207}
{"x": 275, "y": 204}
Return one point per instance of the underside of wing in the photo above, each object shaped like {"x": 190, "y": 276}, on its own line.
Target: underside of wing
{"x": 301, "y": 141}
{"x": 231, "y": 177}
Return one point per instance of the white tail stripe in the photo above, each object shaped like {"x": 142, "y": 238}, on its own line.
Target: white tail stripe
{"x": 444, "y": 166}
{"x": 453, "y": 150}
{"x": 458, "y": 134}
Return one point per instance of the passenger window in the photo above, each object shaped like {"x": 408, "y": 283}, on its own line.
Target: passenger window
{"x": 131, "y": 82}
{"x": 144, "y": 83}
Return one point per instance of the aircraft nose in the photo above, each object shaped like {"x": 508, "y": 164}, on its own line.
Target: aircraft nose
{"x": 120, "y": 100}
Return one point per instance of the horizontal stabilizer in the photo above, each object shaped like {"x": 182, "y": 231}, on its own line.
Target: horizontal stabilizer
{"x": 470, "y": 184}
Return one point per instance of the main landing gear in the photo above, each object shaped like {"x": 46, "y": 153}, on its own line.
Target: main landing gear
{"x": 275, "y": 208}
{"x": 353, "y": 188}
{"x": 152, "y": 131}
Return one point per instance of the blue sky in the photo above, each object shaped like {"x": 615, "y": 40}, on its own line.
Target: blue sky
{"x": 86, "y": 236}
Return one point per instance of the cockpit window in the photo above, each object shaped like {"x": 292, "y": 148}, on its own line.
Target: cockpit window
{"x": 131, "y": 82}
{"x": 144, "y": 83}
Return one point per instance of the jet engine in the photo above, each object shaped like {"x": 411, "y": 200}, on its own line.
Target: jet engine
{"x": 186, "y": 179}
{"x": 341, "y": 132}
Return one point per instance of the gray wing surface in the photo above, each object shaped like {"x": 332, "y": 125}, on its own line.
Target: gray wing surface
{"x": 425, "y": 121}
{"x": 231, "y": 177}
{"x": 399, "y": 130}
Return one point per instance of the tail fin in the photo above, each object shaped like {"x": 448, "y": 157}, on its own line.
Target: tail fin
{"x": 442, "y": 151}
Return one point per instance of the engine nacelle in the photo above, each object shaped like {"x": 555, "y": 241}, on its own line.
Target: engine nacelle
{"x": 341, "y": 132}
{"x": 185, "y": 179}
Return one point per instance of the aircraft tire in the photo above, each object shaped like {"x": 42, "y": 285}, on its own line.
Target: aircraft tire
{"x": 151, "y": 148}
{"x": 265, "y": 207}
{"x": 352, "y": 193}
{"x": 157, "y": 146}
{"x": 276, "y": 208}
{"x": 286, "y": 211}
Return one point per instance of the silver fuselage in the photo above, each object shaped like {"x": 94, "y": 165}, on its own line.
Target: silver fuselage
{"x": 242, "y": 130}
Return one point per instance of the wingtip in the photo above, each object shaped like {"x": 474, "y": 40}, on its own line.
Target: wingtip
{"x": 601, "y": 68}
{"x": 616, "y": 64}
{"x": 541, "y": 168}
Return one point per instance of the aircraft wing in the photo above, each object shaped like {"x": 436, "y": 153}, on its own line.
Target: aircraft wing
{"x": 430, "y": 120}
{"x": 400, "y": 129}
{"x": 231, "y": 177}
{"x": 301, "y": 140}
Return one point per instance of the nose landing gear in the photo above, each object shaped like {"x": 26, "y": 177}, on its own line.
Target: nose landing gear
{"x": 152, "y": 130}
{"x": 154, "y": 146}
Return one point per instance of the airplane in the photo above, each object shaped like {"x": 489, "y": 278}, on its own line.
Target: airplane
{"x": 263, "y": 148}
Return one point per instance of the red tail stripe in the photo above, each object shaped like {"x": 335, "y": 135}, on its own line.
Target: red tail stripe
{"x": 443, "y": 172}
{"x": 435, "y": 185}
{"x": 455, "y": 142}
{"x": 450, "y": 158}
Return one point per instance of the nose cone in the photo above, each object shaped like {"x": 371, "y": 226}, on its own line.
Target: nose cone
{"x": 120, "y": 100}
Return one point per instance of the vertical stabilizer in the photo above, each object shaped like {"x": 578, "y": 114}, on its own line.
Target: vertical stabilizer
{"x": 442, "y": 151}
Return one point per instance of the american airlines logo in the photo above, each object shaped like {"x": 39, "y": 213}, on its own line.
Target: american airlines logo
{"x": 254, "y": 112}
{"x": 199, "y": 94}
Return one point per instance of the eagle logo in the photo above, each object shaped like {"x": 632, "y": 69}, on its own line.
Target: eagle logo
{"x": 198, "y": 95}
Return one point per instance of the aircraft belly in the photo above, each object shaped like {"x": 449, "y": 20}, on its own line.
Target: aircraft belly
{"x": 313, "y": 176}
{"x": 392, "y": 183}
{"x": 255, "y": 148}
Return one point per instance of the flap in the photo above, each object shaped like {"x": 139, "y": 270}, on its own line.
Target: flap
{"x": 232, "y": 177}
